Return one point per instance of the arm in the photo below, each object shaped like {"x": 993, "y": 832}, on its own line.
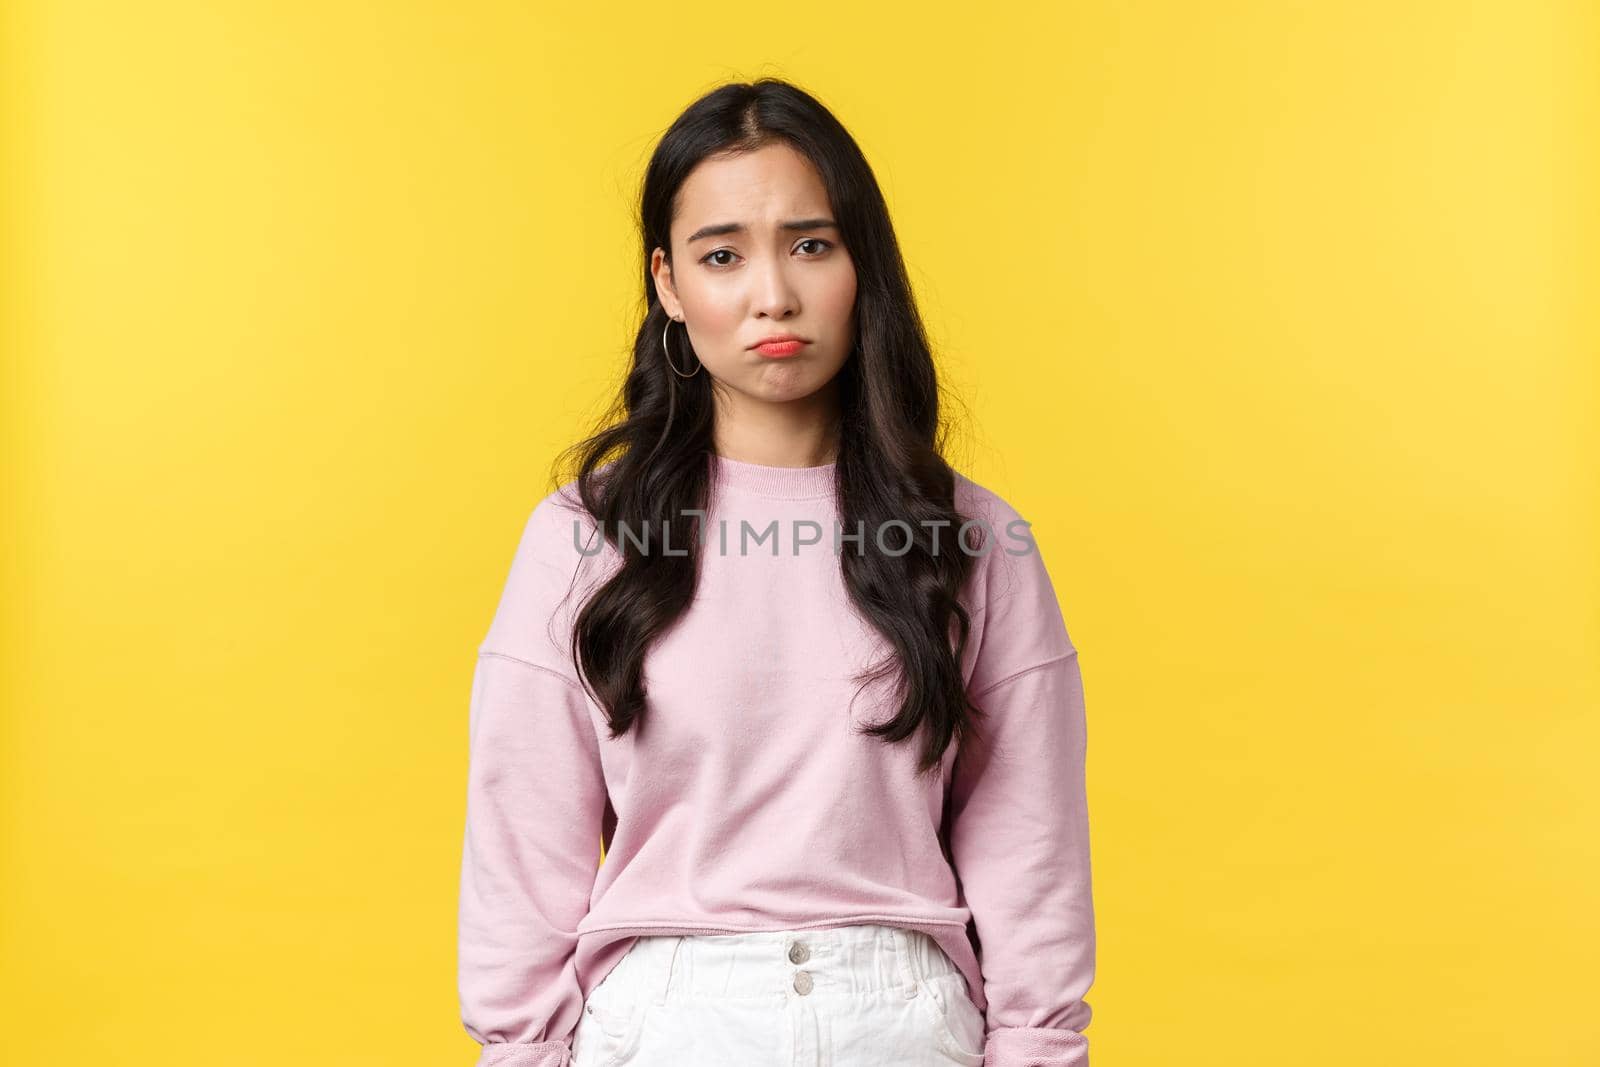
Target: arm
{"x": 1020, "y": 829}
{"x": 535, "y": 802}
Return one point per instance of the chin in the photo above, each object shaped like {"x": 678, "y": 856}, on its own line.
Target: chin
{"x": 790, "y": 388}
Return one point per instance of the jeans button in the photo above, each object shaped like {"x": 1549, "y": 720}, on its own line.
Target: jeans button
{"x": 802, "y": 982}
{"x": 798, "y": 953}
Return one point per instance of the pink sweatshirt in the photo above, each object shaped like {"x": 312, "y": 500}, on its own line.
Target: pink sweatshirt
{"x": 746, "y": 801}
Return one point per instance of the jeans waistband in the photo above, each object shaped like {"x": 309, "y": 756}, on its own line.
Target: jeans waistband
{"x": 839, "y": 960}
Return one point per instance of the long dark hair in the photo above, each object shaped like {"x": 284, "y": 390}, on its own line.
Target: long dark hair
{"x": 650, "y": 462}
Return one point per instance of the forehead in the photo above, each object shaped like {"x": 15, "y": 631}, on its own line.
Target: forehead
{"x": 756, "y": 188}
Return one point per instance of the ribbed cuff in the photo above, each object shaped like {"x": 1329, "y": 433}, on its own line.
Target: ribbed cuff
{"x": 1027, "y": 1046}
{"x": 523, "y": 1054}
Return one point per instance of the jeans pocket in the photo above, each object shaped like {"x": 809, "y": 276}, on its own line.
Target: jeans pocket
{"x": 606, "y": 1037}
{"x": 611, "y": 1025}
{"x": 958, "y": 1025}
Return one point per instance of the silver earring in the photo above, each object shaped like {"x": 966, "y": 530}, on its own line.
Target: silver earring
{"x": 667, "y": 350}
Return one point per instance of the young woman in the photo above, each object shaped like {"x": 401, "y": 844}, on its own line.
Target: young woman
{"x": 809, "y": 686}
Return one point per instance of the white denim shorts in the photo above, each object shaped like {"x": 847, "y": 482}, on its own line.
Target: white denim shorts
{"x": 845, "y": 996}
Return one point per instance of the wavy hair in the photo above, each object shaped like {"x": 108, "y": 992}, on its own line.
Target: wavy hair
{"x": 650, "y": 460}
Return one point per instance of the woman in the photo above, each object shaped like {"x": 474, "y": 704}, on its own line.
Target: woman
{"x": 810, "y": 687}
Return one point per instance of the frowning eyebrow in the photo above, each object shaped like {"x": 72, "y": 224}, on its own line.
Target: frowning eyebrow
{"x": 738, "y": 227}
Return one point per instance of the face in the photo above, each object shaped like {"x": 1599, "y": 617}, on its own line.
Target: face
{"x": 756, "y": 253}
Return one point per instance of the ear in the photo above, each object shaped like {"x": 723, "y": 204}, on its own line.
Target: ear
{"x": 666, "y": 292}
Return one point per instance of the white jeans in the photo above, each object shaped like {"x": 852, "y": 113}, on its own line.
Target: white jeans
{"x": 844, "y": 996}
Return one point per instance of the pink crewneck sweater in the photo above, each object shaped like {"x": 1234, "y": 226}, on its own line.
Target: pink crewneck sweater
{"x": 746, "y": 801}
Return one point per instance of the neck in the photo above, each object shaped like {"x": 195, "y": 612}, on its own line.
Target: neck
{"x": 799, "y": 433}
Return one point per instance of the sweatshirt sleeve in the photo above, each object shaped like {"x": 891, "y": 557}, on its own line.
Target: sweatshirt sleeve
{"x": 1019, "y": 821}
{"x": 535, "y": 803}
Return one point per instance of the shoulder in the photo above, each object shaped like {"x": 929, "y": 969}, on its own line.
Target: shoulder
{"x": 552, "y": 572}
{"x": 1000, "y": 537}
{"x": 1017, "y": 616}
{"x": 558, "y": 524}
{"x": 561, "y": 534}
{"x": 982, "y": 505}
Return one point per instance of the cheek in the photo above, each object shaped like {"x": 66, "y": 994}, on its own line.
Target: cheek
{"x": 841, "y": 299}
{"x": 842, "y": 283}
{"x": 715, "y": 313}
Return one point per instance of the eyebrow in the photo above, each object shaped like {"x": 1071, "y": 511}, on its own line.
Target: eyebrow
{"x": 739, "y": 227}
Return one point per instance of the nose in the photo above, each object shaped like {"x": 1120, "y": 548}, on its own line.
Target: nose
{"x": 773, "y": 294}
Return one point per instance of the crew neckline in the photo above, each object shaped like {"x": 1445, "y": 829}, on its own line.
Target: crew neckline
{"x": 784, "y": 483}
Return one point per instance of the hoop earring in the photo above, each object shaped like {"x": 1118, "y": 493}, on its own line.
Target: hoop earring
{"x": 667, "y": 351}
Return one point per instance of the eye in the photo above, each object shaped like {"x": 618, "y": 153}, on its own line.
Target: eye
{"x": 709, "y": 259}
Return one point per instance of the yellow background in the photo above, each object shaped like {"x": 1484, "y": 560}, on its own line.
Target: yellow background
{"x": 1275, "y": 319}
